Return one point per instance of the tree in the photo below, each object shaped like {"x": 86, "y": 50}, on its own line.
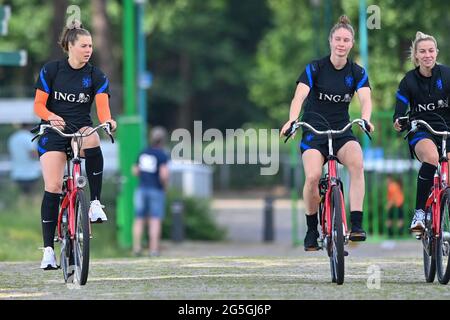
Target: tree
{"x": 59, "y": 21}
{"x": 101, "y": 33}
{"x": 201, "y": 53}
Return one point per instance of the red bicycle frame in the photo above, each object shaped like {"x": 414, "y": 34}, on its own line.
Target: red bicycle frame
{"x": 332, "y": 181}
{"x": 434, "y": 200}
{"x": 68, "y": 202}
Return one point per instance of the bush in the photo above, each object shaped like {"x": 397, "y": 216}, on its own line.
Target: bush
{"x": 197, "y": 220}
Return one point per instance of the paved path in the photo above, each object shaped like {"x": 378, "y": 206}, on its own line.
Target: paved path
{"x": 244, "y": 219}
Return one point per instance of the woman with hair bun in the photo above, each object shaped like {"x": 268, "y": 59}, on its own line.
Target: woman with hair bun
{"x": 65, "y": 90}
{"x": 328, "y": 85}
{"x": 424, "y": 92}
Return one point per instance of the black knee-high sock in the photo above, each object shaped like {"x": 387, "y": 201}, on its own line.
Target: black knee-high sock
{"x": 356, "y": 218}
{"x": 312, "y": 221}
{"x": 49, "y": 215}
{"x": 94, "y": 171}
{"x": 424, "y": 184}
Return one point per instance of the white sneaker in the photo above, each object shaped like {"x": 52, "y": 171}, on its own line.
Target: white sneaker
{"x": 49, "y": 259}
{"x": 96, "y": 213}
{"x": 418, "y": 221}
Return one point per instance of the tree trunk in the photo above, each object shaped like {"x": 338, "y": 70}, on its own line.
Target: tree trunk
{"x": 186, "y": 107}
{"x": 103, "y": 49}
{"x": 59, "y": 22}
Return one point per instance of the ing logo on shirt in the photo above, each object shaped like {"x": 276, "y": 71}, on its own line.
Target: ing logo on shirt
{"x": 71, "y": 97}
{"x": 349, "y": 81}
{"x": 86, "y": 82}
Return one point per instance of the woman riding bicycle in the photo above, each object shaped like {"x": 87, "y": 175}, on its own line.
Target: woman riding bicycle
{"x": 328, "y": 85}
{"x": 65, "y": 90}
{"x": 424, "y": 91}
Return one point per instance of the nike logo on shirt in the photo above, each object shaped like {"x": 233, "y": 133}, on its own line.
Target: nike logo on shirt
{"x": 45, "y": 221}
{"x": 96, "y": 173}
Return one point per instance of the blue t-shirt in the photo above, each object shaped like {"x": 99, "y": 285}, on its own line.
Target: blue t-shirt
{"x": 23, "y": 165}
{"x": 149, "y": 162}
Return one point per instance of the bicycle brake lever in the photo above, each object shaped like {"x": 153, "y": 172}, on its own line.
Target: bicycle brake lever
{"x": 406, "y": 135}
{"x": 108, "y": 131}
{"x": 291, "y": 132}
{"x": 363, "y": 127}
{"x": 287, "y": 138}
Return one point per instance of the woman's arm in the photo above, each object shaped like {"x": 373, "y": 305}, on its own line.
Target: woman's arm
{"x": 40, "y": 109}
{"x": 301, "y": 92}
{"x": 364, "y": 96}
{"x": 103, "y": 110}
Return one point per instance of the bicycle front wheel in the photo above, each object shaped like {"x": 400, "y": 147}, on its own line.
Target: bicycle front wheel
{"x": 81, "y": 242}
{"x": 66, "y": 258}
{"x": 443, "y": 242}
{"x": 337, "y": 237}
{"x": 429, "y": 247}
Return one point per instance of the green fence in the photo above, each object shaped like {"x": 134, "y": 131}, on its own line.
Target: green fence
{"x": 387, "y": 154}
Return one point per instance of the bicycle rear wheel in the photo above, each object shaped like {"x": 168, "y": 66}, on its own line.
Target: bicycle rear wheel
{"x": 337, "y": 237}
{"x": 66, "y": 257}
{"x": 443, "y": 242}
{"x": 429, "y": 254}
{"x": 81, "y": 241}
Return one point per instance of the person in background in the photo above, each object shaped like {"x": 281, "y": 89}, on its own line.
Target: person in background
{"x": 150, "y": 196}
{"x": 25, "y": 167}
{"x": 395, "y": 200}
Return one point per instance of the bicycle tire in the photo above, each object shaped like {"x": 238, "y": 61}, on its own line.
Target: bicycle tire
{"x": 429, "y": 254}
{"x": 337, "y": 237}
{"x": 442, "y": 243}
{"x": 66, "y": 257}
{"x": 81, "y": 241}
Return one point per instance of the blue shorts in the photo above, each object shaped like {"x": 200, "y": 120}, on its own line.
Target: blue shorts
{"x": 413, "y": 139}
{"x": 149, "y": 202}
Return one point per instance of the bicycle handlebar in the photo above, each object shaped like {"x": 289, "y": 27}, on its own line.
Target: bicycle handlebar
{"x": 414, "y": 124}
{"x": 40, "y": 129}
{"x": 297, "y": 124}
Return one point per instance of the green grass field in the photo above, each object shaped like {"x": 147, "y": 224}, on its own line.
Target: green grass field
{"x": 223, "y": 278}
{"x": 21, "y": 233}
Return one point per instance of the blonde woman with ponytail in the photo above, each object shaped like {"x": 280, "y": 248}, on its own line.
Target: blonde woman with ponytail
{"x": 424, "y": 92}
{"x": 327, "y": 87}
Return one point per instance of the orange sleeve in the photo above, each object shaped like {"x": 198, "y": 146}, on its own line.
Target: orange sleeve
{"x": 103, "y": 112}
{"x": 40, "y": 105}
{"x": 390, "y": 192}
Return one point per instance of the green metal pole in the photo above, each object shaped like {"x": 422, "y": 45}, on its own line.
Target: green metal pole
{"x": 294, "y": 196}
{"x": 141, "y": 66}
{"x": 363, "y": 42}
{"x": 129, "y": 132}
{"x": 129, "y": 62}
{"x": 363, "y": 48}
